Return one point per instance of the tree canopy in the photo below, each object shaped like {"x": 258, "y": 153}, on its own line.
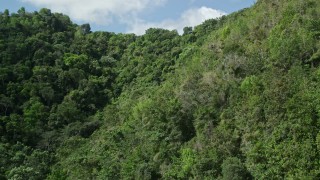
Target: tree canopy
{"x": 233, "y": 98}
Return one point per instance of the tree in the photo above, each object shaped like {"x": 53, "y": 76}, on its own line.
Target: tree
{"x": 85, "y": 29}
{"x": 233, "y": 169}
{"x": 187, "y": 30}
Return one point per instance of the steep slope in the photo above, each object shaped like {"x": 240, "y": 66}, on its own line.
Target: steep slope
{"x": 235, "y": 98}
{"x": 244, "y": 104}
{"x": 56, "y": 78}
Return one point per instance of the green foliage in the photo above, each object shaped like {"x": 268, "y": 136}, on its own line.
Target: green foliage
{"x": 76, "y": 61}
{"x": 232, "y": 168}
{"x": 233, "y": 98}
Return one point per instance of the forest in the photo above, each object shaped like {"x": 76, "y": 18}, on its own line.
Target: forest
{"x": 234, "y": 98}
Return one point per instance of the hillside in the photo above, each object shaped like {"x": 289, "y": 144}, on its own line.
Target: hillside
{"x": 233, "y": 98}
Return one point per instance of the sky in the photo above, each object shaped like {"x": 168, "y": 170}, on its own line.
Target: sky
{"x": 133, "y": 16}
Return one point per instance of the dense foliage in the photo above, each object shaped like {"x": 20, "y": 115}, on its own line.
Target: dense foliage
{"x": 234, "y": 98}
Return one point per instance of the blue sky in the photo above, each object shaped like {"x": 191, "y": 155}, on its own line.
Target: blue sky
{"x": 126, "y": 16}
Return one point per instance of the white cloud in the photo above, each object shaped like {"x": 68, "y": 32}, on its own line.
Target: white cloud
{"x": 97, "y": 11}
{"x": 126, "y": 12}
{"x": 191, "y": 17}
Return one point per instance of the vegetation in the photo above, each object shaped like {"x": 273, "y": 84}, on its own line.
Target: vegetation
{"x": 234, "y": 98}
